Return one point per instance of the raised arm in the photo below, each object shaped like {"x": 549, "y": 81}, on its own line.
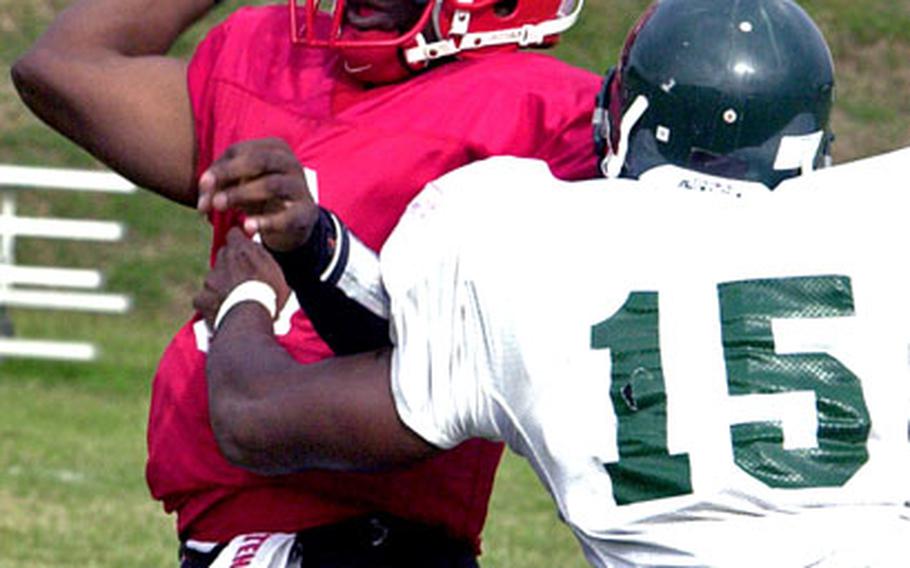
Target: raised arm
{"x": 274, "y": 415}
{"x": 100, "y": 76}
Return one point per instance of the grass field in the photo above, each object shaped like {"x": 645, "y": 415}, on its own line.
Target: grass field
{"x": 72, "y": 440}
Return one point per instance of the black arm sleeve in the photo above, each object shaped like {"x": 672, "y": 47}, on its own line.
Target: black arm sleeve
{"x": 342, "y": 322}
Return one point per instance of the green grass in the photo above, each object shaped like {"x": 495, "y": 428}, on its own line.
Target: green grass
{"x": 523, "y": 530}
{"x": 71, "y": 477}
{"x": 72, "y": 436}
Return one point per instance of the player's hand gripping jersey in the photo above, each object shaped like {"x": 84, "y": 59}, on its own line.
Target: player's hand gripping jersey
{"x": 701, "y": 373}
{"x": 372, "y": 150}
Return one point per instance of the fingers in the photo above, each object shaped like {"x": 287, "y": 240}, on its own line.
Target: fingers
{"x": 284, "y": 230}
{"x": 234, "y": 238}
{"x": 253, "y": 175}
{"x": 237, "y": 261}
{"x": 206, "y": 190}
{"x": 208, "y": 300}
{"x": 266, "y": 194}
{"x": 230, "y": 269}
{"x": 263, "y": 179}
{"x": 242, "y": 259}
{"x": 251, "y": 159}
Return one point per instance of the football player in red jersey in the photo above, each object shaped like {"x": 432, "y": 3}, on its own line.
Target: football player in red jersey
{"x": 373, "y": 98}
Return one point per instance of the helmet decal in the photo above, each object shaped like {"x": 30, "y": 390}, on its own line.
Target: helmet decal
{"x": 799, "y": 152}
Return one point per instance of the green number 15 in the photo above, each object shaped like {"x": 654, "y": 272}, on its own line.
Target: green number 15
{"x": 646, "y": 470}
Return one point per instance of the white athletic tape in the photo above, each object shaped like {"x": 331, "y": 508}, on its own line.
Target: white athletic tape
{"x": 249, "y": 291}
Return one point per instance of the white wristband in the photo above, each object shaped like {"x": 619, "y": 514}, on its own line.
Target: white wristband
{"x": 249, "y": 291}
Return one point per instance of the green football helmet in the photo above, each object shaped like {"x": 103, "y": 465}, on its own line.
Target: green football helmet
{"x": 738, "y": 89}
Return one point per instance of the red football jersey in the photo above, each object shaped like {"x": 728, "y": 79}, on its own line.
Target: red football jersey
{"x": 372, "y": 151}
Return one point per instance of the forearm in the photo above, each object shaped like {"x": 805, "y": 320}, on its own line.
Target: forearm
{"x": 273, "y": 415}
{"x": 125, "y": 27}
{"x": 238, "y": 383}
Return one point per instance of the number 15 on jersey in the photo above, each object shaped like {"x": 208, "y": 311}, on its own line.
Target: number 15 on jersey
{"x": 841, "y": 422}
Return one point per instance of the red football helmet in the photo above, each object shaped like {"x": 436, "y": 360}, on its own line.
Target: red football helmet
{"x": 458, "y": 25}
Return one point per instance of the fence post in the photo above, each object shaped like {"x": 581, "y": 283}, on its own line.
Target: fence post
{"x": 54, "y": 288}
{"x": 7, "y": 209}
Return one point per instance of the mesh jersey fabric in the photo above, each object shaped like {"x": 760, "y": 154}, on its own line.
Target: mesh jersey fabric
{"x": 698, "y": 379}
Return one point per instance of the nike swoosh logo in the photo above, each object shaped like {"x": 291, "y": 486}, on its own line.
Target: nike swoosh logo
{"x": 355, "y": 70}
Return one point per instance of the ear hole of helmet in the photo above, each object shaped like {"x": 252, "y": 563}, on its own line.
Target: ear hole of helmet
{"x": 710, "y": 163}
{"x": 505, "y": 8}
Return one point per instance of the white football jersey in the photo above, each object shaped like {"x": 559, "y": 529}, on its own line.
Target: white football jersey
{"x": 702, "y": 374}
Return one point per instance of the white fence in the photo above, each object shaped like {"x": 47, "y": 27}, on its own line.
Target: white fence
{"x": 53, "y": 288}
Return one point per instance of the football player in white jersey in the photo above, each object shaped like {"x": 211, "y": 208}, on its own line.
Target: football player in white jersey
{"x": 702, "y": 371}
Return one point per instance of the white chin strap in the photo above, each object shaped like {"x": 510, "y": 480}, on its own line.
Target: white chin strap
{"x": 524, "y": 36}
{"x": 611, "y": 166}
